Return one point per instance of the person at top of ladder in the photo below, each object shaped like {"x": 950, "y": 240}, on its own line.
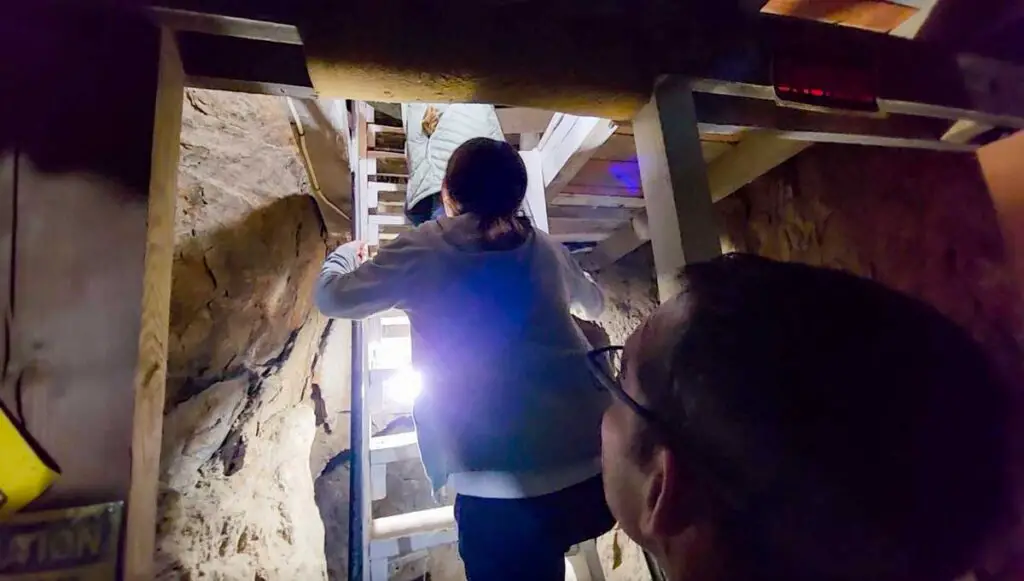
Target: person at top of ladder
{"x": 510, "y": 411}
{"x": 432, "y": 132}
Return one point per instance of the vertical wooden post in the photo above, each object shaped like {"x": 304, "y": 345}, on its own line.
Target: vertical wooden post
{"x": 680, "y": 213}
{"x": 536, "y": 203}
{"x": 151, "y": 372}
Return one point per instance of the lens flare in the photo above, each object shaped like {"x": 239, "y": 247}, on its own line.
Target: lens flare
{"x": 404, "y": 386}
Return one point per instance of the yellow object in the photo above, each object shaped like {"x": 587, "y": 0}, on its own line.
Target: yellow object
{"x": 26, "y": 471}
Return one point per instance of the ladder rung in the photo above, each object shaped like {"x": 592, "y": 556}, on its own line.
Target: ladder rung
{"x": 387, "y": 220}
{"x": 412, "y": 523}
{"x": 377, "y": 128}
{"x": 399, "y": 176}
{"x": 393, "y": 447}
{"x": 386, "y": 548}
{"x": 384, "y": 154}
{"x": 387, "y": 187}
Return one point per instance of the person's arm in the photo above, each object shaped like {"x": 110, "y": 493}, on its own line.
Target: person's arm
{"x": 585, "y": 297}
{"x": 348, "y": 290}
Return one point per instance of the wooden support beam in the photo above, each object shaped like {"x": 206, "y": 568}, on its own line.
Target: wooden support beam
{"x": 618, "y": 244}
{"x": 569, "y": 227}
{"x": 184, "y": 20}
{"x": 680, "y": 213}
{"x": 718, "y": 113}
{"x": 579, "y": 238}
{"x": 965, "y": 131}
{"x": 535, "y": 204}
{"x": 151, "y": 371}
{"x": 230, "y": 63}
{"x": 598, "y": 200}
{"x": 603, "y": 214}
{"x": 752, "y": 158}
{"x": 567, "y": 145}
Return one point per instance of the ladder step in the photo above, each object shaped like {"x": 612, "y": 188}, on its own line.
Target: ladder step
{"x": 386, "y": 548}
{"x": 392, "y": 448}
{"x": 387, "y": 187}
{"x": 376, "y": 128}
{"x": 387, "y": 220}
{"x": 385, "y": 154}
{"x": 412, "y": 523}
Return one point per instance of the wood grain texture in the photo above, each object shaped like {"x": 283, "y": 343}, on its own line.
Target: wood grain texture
{"x": 680, "y": 212}
{"x": 875, "y": 15}
{"x": 752, "y": 158}
{"x": 151, "y": 370}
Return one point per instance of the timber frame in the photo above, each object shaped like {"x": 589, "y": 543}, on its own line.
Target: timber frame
{"x": 719, "y": 77}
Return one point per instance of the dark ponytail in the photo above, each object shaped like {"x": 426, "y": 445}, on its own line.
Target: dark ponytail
{"x": 487, "y": 178}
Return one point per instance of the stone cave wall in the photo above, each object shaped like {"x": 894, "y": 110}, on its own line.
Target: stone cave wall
{"x": 920, "y": 222}
{"x": 243, "y": 411}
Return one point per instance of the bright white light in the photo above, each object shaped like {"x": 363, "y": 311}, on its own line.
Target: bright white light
{"x": 391, "y": 353}
{"x": 404, "y": 386}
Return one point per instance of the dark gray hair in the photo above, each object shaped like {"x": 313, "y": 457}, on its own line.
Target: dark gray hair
{"x": 864, "y": 431}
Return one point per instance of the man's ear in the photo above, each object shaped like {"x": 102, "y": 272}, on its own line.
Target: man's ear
{"x": 668, "y": 499}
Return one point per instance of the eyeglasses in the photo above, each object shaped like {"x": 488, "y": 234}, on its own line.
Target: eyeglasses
{"x": 606, "y": 365}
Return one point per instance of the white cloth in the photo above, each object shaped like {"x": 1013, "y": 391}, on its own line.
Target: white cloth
{"x": 428, "y": 156}
{"x": 508, "y": 485}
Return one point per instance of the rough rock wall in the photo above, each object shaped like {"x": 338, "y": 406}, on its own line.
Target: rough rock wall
{"x": 631, "y": 294}
{"x": 237, "y": 495}
{"x": 920, "y": 222}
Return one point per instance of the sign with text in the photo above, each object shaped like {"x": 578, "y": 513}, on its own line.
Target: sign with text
{"x": 78, "y": 544}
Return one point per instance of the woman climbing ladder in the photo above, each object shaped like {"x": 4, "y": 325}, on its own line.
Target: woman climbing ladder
{"x": 510, "y": 413}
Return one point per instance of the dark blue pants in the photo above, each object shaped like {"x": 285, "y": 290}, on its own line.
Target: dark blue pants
{"x": 526, "y": 539}
{"x": 429, "y": 208}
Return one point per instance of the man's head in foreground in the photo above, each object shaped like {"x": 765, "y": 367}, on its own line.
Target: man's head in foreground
{"x": 791, "y": 422}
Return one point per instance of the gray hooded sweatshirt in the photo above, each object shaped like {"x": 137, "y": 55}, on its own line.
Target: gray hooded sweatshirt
{"x": 507, "y": 389}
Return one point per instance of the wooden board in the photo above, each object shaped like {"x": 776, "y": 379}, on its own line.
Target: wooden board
{"x": 583, "y": 228}
{"x": 619, "y": 147}
{"x": 609, "y": 174}
{"x": 599, "y": 201}
{"x": 875, "y": 15}
{"x": 622, "y": 147}
{"x": 151, "y": 369}
{"x": 618, "y": 214}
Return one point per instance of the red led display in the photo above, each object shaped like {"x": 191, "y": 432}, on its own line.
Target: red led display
{"x": 834, "y": 85}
